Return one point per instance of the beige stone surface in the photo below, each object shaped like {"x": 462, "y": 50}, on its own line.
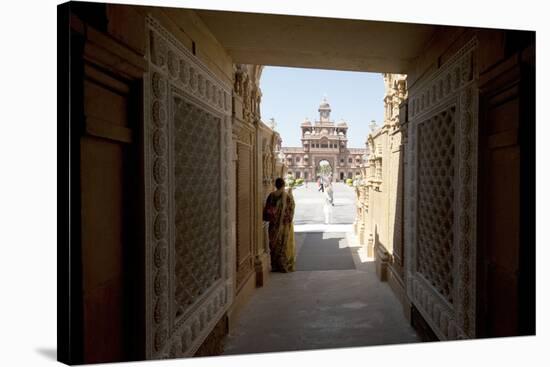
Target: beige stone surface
{"x": 377, "y": 188}
{"x": 315, "y": 309}
{"x": 341, "y": 44}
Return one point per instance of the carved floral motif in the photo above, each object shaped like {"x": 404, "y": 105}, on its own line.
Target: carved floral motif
{"x": 159, "y": 114}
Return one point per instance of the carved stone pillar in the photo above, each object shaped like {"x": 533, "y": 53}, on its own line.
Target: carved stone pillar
{"x": 370, "y": 245}
{"x": 366, "y": 208}
{"x": 267, "y": 141}
{"x": 357, "y": 211}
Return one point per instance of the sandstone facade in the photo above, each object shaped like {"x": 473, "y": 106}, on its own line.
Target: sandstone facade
{"x": 324, "y": 140}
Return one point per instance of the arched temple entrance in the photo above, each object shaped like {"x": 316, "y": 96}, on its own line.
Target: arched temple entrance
{"x": 173, "y": 110}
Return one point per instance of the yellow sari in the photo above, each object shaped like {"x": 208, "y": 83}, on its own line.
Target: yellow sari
{"x": 279, "y": 211}
{"x": 290, "y": 248}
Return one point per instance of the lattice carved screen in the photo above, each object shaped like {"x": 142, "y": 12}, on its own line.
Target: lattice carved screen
{"x": 440, "y": 191}
{"x": 189, "y": 241}
{"x": 196, "y": 202}
{"x": 436, "y": 176}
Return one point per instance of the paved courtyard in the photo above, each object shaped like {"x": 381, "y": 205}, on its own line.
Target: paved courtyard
{"x": 333, "y": 300}
{"x": 310, "y": 202}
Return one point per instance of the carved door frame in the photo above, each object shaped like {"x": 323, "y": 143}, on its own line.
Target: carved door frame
{"x": 174, "y": 72}
{"x": 244, "y": 137}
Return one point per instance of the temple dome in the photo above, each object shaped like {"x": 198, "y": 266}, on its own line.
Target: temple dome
{"x": 324, "y": 104}
{"x": 306, "y": 122}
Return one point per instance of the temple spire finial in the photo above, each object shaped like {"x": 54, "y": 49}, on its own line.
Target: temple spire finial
{"x": 373, "y": 125}
{"x": 272, "y": 124}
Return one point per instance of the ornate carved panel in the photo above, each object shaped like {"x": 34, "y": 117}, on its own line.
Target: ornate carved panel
{"x": 189, "y": 238}
{"x": 197, "y": 202}
{"x": 436, "y": 173}
{"x": 441, "y": 156}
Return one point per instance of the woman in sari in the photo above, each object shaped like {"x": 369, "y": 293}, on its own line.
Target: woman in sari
{"x": 279, "y": 211}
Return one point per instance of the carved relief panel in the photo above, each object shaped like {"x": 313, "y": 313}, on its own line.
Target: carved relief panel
{"x": 197, "y": 202}
{"x": 441, "y": 157}
{"x": 189, "y": 240}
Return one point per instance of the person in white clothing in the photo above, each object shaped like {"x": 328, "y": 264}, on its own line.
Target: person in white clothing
{"x": 330, "y": 193}
{"x": 327, "y": 207}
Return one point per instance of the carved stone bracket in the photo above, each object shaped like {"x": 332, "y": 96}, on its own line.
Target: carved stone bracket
{"x": 247, "y": 89}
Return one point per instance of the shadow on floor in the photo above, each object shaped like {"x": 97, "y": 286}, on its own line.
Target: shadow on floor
{"x": 317, "y": 253}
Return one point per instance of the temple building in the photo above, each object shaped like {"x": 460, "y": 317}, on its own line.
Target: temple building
{"x": 324, "y": 141}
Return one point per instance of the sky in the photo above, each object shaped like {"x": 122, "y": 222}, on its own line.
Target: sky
{"x": 289, "y": 95}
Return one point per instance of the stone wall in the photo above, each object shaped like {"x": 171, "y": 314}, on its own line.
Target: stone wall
{"x": 417, "y": 215}
{"x": 206, "y": 161}
{"x": 256, "y": 149}
{"x": 447, "y": 264}
{"x": 378, "y": 187}
{"x": 442, "y": 169}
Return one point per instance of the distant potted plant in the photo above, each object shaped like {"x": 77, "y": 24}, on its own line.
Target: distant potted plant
{"x": 289, "y": 180}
